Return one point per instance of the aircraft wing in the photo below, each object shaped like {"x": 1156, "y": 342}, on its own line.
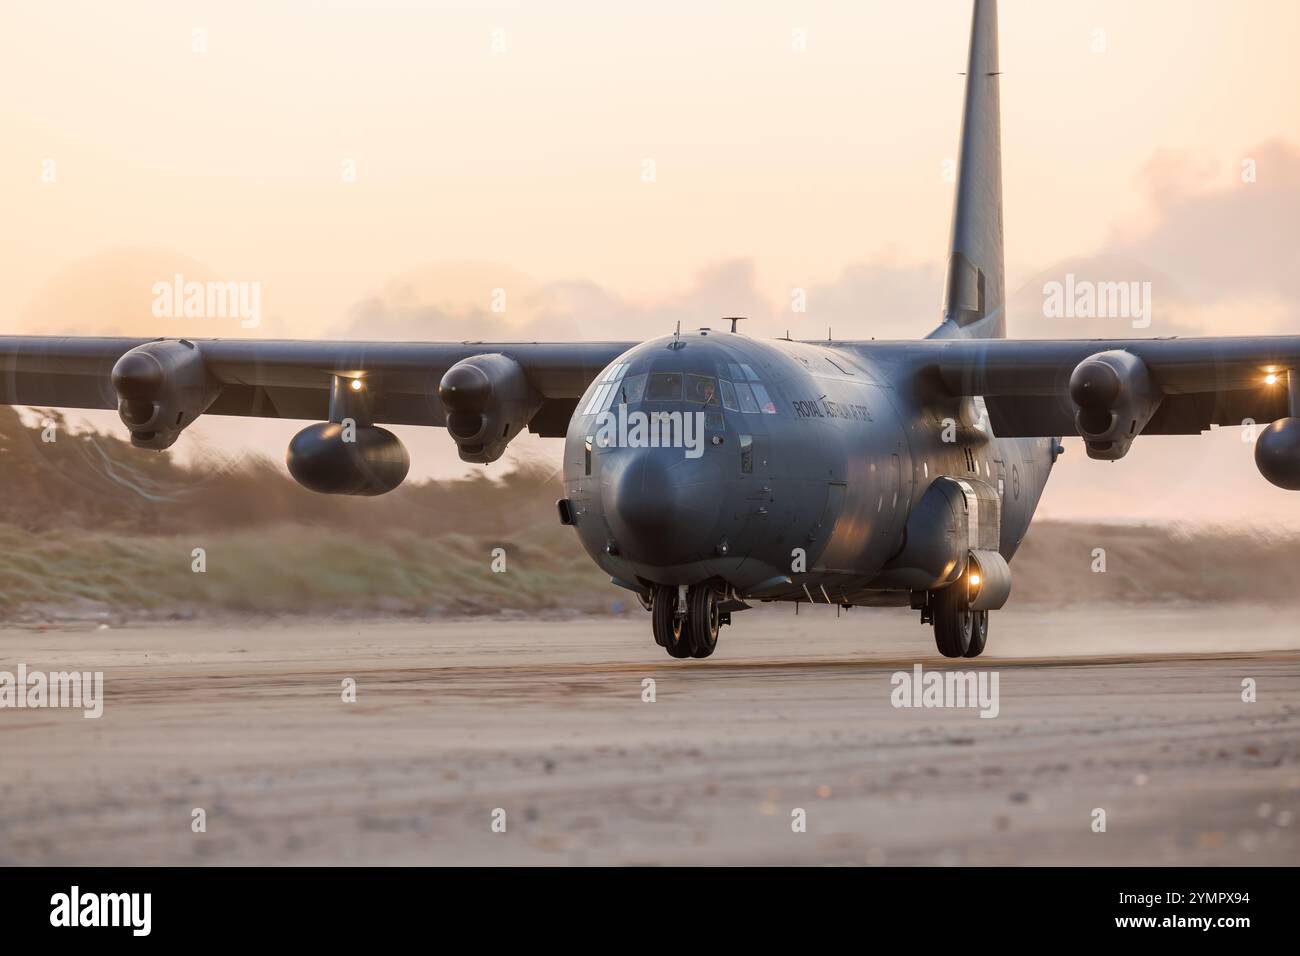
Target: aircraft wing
{"x": 1038, "y": 388}
{"x": 293, "y": 379}
{"x": 484, "y": 394}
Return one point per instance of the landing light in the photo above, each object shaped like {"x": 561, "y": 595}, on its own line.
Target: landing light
{"x": 1270, "y": 379}
{"x": 356, "y": 385}
{"x": 975, "y": 580}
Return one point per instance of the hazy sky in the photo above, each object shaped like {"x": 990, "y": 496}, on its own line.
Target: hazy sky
{"x": 212, "y": 138}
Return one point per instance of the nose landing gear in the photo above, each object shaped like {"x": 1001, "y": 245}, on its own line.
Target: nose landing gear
{"x": 705, "y": 620}
{"x": 686, "y": 621}
{"x": 668, "y": 619}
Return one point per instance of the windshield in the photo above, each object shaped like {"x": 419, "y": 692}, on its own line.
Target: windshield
{"x": 743, "y": 393}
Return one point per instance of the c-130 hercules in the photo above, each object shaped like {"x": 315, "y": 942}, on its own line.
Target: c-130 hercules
{"x": 878, "y": 473}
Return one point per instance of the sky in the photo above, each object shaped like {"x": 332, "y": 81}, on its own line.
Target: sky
{"x": 379, "y": 169}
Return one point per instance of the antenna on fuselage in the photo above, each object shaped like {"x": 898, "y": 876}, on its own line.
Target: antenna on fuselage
{"x": 733, "y": 319}
{"x": 676, "y": 340}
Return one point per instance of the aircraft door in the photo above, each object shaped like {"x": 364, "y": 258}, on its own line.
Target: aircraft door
{"x": 754, "y": 513}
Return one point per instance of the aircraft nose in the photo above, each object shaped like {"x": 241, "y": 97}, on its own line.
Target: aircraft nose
{"x": 658, "y": 513}
{"x": 644, "y": 495}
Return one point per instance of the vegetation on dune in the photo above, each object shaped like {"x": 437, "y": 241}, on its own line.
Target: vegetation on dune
{"x": 90, "y": 526}
{"x": 90, "y": 480}
{"x": 288, "y": 568}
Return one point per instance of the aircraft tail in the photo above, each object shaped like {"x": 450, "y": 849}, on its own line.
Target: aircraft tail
{"x": 974, "y": 296}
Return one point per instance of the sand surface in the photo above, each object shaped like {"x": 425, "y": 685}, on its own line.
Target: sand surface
{"x": 1137, "y": 713}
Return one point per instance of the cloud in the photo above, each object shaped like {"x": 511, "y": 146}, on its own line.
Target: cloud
{"x": 113, "y": 293}
{"x": 1224, "y": 236}
{"x": 568, "y": 309}
{"x": 1171, "y": 311}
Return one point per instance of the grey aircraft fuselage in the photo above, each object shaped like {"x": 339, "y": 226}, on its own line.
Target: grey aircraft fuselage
{"x": 831, "y": 467}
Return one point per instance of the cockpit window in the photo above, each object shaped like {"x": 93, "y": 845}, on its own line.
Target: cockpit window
{"x": 664, "y": 387}
{"x": 728, "y": 396}
{"x": 701, "y": 389}
{"x": 599, "y": 398}
{"x": 633, "y": 390}
{"x": 747, "y": 403}
{"x": 606, "y": 391}
{"x": 747, "y": 396}
{"x": 764, "y": 400}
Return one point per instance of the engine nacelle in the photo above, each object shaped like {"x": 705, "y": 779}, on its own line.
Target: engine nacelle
{"x": 347, "y": 459}
{"x": 162, "y": 387}
{"x": 488, "y": 400}
{"x": 1277, "y": 453}
{"x": 1114, "y": 397}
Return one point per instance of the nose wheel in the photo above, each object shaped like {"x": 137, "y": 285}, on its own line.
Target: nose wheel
{"x": 705, "y": 620}
{"x": 686, "y": 628}
{"x": 670, "y": 625}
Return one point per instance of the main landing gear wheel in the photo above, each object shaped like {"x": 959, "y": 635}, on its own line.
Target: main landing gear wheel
{"x": 979, "y": 635}
{"x": 958, "y": 631}
{"x": 672, "y": 632}
{"x": 705, "y": 620}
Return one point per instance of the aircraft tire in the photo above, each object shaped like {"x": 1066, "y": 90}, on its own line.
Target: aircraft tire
{"x": 954, "y": 623}
{"x": 682, "y": 649}
{"x": 705, "y": 620}
{"x": 659, "y": 627}
{"x": 671, "y": 632}
{"x": 979, "y": 635}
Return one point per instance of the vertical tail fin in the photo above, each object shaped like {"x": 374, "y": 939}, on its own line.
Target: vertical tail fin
{"x": 974, "y": 298}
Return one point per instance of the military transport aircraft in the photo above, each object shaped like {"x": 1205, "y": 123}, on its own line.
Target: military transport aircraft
{"x": 706, "y": 470}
